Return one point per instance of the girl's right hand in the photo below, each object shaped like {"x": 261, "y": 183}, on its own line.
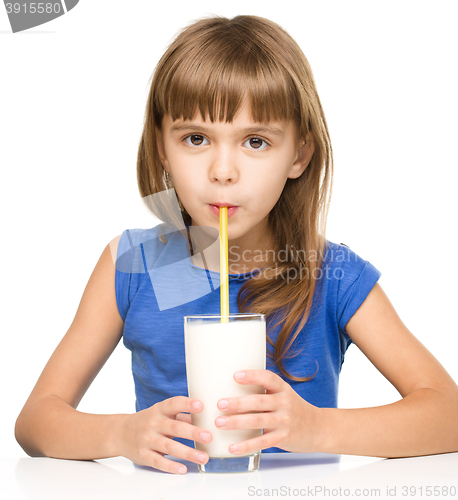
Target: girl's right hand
{"x": 147, "y": 435}
{"x": 50, "y": 424}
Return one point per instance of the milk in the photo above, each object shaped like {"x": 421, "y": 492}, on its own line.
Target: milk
{"x": 214, "y": 352}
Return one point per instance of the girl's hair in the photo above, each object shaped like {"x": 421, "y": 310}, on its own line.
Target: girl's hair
{"x": 212, "y": 67}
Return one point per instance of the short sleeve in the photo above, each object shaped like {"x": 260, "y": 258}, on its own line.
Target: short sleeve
{"x": 123, "y": 274}
{"x": 131, "y": 266}
{"x": 356, "y": 278}
{"x": 138, "y": 252}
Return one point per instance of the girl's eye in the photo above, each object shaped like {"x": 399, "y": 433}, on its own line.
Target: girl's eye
{"x": 256, "y": 143}
{"x": 195, "y": 140}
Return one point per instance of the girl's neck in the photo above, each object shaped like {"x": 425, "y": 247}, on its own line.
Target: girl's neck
{"x": 246, "y": 254}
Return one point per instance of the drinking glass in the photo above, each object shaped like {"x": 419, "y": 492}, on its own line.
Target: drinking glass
{"x": 217, "y": 347}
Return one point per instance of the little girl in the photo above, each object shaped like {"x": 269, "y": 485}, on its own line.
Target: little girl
{"x": 234, "y": 119}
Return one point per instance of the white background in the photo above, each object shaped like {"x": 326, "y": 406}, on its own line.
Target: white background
{"x": 72, "y": 96}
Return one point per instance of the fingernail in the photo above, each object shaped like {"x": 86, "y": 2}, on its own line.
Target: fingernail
{"x": 233, "y": 447}
{"x": 197, "y": 405}
{"x": 202, "y": 458}
{"x": 181, "y": 469}
{"x": 220, "y": 422}
{"x": 223, "y": 404}
{"x": 205, "y": 436}
{"x": 239, "y": 375}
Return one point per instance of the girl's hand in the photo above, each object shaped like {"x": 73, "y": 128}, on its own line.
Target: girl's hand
{"x": 289, "y": 422}
{"x": 146, "y": 436}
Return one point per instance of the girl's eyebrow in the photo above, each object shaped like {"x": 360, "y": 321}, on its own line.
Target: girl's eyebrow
{"x": 249, "y": 130}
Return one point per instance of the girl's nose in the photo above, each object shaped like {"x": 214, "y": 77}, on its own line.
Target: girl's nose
{"x": 223, "y": 169}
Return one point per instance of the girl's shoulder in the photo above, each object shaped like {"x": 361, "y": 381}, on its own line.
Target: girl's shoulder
{"x": 138, "y": 250}
{"x": 349, "y": 278}
{"x": 138, "y": 254}
{"x": 351, "y": 275}
{"x": 340, "y": 255}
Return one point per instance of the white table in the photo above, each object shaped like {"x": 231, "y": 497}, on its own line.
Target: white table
{"x": 280, "y": 476}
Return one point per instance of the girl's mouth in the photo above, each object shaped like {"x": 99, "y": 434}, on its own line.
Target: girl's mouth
{"x": 230, "y": 209}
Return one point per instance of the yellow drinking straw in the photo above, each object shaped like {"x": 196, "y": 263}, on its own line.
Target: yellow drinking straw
{"x": 224, "y": 264}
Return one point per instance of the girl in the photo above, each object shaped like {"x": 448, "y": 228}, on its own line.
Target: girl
{"x": 234, "y": 119}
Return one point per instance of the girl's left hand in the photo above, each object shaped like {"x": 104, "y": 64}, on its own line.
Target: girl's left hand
{"x": 289, "y": 422}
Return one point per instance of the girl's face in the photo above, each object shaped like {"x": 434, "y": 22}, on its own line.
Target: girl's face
{"x": 243, "y": 165}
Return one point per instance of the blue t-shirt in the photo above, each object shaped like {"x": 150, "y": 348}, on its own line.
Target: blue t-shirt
{"x": 157, "y": 285}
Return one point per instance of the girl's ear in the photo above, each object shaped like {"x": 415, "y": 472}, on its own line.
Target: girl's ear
{"x": 161, "y": 150}
{"x": 304, "y": 155}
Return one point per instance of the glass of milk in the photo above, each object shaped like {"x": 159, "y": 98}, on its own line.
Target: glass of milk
{"x": 217, "y": 347}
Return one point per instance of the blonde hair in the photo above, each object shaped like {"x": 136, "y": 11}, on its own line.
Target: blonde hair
{"x": 212, "y": 67}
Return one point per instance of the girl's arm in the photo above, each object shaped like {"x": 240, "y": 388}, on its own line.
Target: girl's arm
{"x": 424, "y": 422}
{"x": 49, "y": 424}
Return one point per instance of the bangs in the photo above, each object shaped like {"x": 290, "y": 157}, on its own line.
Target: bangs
{"x": 215, "y": 77}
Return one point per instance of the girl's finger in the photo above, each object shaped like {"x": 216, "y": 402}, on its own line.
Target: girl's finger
{"x": 158, "y": 461}
{"x": 269, "y": 380}
{"x": 178, "y": 428}
{"x": 247, "y": 421}
{"x": 267, "y": 440}
{"x": 184, "y": 417}
{"x": 252, "y": 402}
{"x": 179, "y": 450}
{"x": 171, "y": 407}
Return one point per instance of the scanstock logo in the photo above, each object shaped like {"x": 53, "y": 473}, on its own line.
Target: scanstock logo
{"x": 26, "y": 14}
